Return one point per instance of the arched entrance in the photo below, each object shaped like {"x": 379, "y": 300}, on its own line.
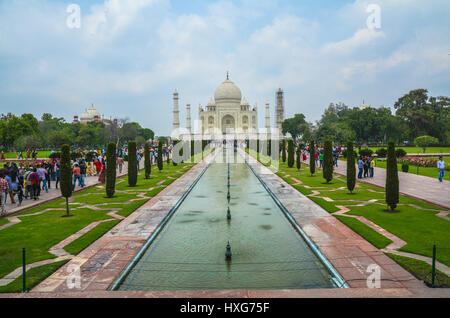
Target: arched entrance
{"x": 228, "y": 124}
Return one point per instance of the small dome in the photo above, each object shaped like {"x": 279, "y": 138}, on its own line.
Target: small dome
{"x": 91, "y": 113}
{"x": 244, "y": 102}
{"x": 211, "y": 103}
{"x": 228, "y": 91}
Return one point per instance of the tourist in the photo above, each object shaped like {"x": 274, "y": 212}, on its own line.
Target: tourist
{"x": 57, "y": 175}
{"x": 366, "y": 167}
{"x": 120, "y": 162}
{"x": 321, "y": 158}
{"x": 360, "y": 167}
{"x": 441, "y": 168}
{"x": 3, "y": 155}
{"x": 7, "y": 176}
{"x": 42, "y": 178}
{"x": 102, "y": 176}
{"x": 83, "y": 172}
{"x": 371, "y": 166}
{"x": 76, "y": 175}
{"x": 4, "y": 188}
{"x": 34, "y": 180}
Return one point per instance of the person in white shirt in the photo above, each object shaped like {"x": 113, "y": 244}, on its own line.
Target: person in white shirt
{"x": 441, "y": 167}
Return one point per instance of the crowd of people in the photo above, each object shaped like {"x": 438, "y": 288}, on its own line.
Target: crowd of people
{"x": 26, "y": 180}
{"x": 318, "y": 154}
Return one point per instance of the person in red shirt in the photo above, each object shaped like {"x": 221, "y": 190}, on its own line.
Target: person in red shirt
{"x": 33, "y": 179}
{"x": 98, "y": 166}
{"x": 4, "y": 187}
{"x": 76, "y": 175}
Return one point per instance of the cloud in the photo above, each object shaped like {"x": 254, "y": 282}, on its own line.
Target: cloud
{"x": 361, "y": 38}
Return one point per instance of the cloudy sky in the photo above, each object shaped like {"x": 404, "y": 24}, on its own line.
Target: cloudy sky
{"x": 128, "y": 56}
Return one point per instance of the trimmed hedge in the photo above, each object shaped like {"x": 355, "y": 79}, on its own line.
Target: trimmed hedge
{"x": 111, "y": 162}
{"x": 65, "y": 175}
{"x": 291, "y": 159}
{"x": 351, "y": 168}
{"x": 147, "y": 161}
{"x": 132, "y": 164}
{"x": 392, "y": 182}
{"x": 312, "y": 157}
{"x": 328, "y": 163}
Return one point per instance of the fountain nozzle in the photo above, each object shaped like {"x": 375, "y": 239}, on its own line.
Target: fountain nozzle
{"x": 228, "y": 196}
{"x": 228, "y": 214}
{"x": 228, "y": 252}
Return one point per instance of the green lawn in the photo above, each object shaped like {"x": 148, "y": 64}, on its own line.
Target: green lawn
{"x": 39, "y": 232}
{"x": 40, "y": 155}
{"x": 421, "y": 270}
{"x": 375, "y": 238}
{"x": 419, "y": 228}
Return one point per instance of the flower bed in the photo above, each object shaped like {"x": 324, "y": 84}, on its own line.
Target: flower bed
{"x": 421, "y": 162}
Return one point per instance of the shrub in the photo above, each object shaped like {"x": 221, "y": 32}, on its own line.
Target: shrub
{"x": 425, "y": 141}
{"x": 328, "y": 161}
{"x": 132, "y": 164}
{"x": 392, "y": 182}
{"x": 351, "y": 168}
{"x": 269, "y": 148}
{"x": 283, "y": 150}
{"x": 290, "y": 153}
{"x": 65, "y": 175}
{"x": 366, "y": 152}
{"x": 160, "y": 159}
{"x": 298, "y": 159}
{"x": 400, "y": 153}
{"x": 405, "y": 167}
{"x": 192, "y": 148}
{"x": 382, "y": 153}
{"x": 312, "y": 157}
{"x": 111, "y": 161}
{"x": 147, "y": 161}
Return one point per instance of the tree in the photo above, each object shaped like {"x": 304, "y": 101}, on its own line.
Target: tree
{"x": 65, "y": 176}
{"x": 111, "y": 162}
{"x": 424, "y": 115}
{"x": 298, "y": 159}
{"x": 392, "y": 182}
{"x": 328, "y": 161}
{"x": 312, "y": 157}
{"x": 147, "y": 161}
{"x": 290, "y": 153}
{"x": 132, "y": 164}
{"x": 283, "y": 150}
{"x": 140, "y": 141}
{"x": 351, "y": 168}
{"x": 160, "y": 159}
{"x": 425, "y": 141}
{"x": 24, "y": 143}
{"x": 295, "y": 126}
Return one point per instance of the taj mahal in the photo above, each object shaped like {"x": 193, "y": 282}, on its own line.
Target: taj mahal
{"x": 228, "y": 113}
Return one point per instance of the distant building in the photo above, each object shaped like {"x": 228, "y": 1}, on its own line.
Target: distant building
{"x": 93, "y": 115}
{"x": 363, "y": 106}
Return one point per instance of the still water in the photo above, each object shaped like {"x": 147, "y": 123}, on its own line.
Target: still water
{"x": 189, "y": 253}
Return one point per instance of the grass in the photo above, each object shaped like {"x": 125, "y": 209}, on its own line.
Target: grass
{"x": 93, "y": 235}
{"x": 421, "y": 270}
{"x": 40, "y": 155}
{"x": 34, "y": 277}
{"x": 39, "y": 232}
{"x": 419, "y": 228}
{"x": 372, "y": 236}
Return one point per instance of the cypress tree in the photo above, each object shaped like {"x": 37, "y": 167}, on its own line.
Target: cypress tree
{"x": 290, "y": 153}
{"x": 147, "y": 161}
{"x": 269, "y": 148}
{"x": 192, "y": 149}
{"x": 299, "y": 159}
{"x": 168, "y": 156}
{"x": 328, "y": 161}
{"x": 65, "y": 176}
{"x": 111, "y": 162}
{"x": 160, "y": 159}
{"x": 132, "y": 164}
{"x": 392, "y": 182}
{"x": 351, "y": 168}
{"x": 283, "y": 150}
{"x": 312, "y": 157}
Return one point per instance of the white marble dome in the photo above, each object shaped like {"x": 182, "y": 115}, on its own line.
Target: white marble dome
{"x": 228, "y": 91}
{"x": 91, "y": 113}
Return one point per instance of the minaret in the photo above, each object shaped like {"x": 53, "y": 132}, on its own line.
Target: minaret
{"x": 188, "y": 118}
{"x": 280, "y": 108}
{"x": 176, "y": 112}
{"x": 267, "y": 117}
